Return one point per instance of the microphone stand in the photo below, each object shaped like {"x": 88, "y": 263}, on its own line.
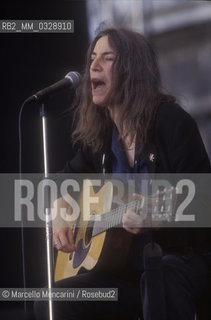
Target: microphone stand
{"x": 48, "y": 220}
{"x": 72, "y": 79}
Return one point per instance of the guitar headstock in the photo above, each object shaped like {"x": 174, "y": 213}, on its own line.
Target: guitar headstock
{"x": 158, "y": 207}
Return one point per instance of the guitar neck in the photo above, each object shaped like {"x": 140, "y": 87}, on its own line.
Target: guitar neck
{"x": 113, "y": 218}
{"x": 158, "y": 207}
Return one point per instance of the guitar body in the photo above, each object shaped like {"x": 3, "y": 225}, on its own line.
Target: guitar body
{"x": 105, "y": 251}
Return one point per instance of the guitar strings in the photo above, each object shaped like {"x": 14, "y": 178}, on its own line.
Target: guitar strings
{"x": 114, "y": 217}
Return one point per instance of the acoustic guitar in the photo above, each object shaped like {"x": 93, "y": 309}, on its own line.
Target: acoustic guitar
{"x": 101, "y": 242}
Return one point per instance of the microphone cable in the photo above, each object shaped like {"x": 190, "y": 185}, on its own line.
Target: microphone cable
{"x": 20, "y": 176}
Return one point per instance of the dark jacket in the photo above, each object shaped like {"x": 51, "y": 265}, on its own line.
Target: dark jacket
{"x": 176, "y": 147}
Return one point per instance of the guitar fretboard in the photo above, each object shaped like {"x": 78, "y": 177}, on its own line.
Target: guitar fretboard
{"x": 159, "y": 211}
{"x": 113, "y": 218}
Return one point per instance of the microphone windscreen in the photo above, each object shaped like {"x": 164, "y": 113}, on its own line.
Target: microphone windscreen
{"x": 74, "y": 77}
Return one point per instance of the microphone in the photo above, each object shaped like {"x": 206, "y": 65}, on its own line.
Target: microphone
{"x": 71, "y": 81}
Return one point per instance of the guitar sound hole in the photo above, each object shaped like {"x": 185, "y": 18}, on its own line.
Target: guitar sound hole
{"x": 88, "y": 235}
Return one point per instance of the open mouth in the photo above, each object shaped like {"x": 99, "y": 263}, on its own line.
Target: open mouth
{"x": 97, "y": 84}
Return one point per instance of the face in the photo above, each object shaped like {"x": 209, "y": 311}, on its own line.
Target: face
{"x": 102, "y": 59}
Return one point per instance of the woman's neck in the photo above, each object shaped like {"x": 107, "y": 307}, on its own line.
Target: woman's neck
{"x": 114, "y": 114}
{"x": 127, "y": 140}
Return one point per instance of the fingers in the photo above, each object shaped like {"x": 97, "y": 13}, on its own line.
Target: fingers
{"x": 133, "y": 230}
{"x": 63, "y": 240}
{"x": 132, "y": 222}
{"x": 137, "y": 196}
{"x": 131, "y": 219}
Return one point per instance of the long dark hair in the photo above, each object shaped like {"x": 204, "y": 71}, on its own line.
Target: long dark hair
{"x": 136, "y": 88}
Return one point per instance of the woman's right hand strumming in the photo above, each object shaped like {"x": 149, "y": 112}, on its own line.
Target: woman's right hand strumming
{"x": 63, "y": 238}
